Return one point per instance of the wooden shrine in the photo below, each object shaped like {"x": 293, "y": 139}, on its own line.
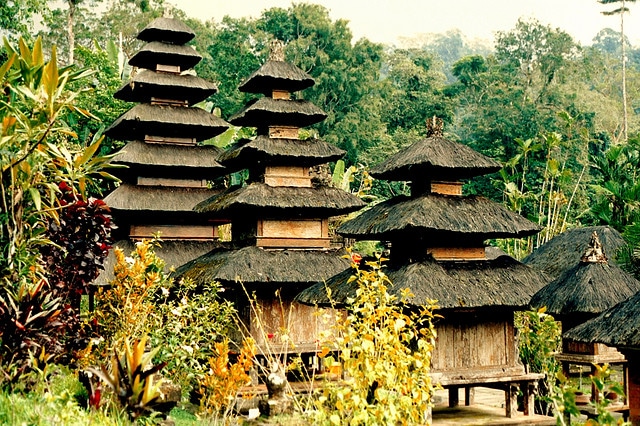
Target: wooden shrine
{"x": 436, "y": 238}
{"x": 167, "y": 170}
{"x": 589, "y": 287}
{"x": 279, "y": 217}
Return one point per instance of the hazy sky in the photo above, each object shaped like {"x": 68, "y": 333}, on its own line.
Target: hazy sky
{"x": 386, "y": 20}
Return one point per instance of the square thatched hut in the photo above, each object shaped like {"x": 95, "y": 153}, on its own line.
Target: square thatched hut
{"x": 167, "y": 171}
{"x": 279, "y": 218}
{"x": 589, "y": 287}
{"x": 437, "y": 250}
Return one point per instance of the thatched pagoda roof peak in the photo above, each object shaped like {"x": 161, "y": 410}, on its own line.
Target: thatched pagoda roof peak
{"x": 586, "y": 288}
{"x": 563, "y": 251}
{"x": 167, "y": 30}
{"x": 435, "y": 158}
{"x": 276, "y": 74}
{"x": 595, "y": 251}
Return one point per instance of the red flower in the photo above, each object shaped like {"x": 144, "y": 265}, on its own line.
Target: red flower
{"x": 356, "y": 258}
{"x": 270, "y": 335}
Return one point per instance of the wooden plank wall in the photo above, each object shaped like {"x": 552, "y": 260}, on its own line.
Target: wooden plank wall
{"x": 470, "y": 345}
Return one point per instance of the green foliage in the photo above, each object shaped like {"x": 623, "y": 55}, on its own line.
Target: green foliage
{"x": 190, "y": 322}
{"x": 132, "y": 378}
{"x": 183, "y": 321}
{"x": 616, "y": 193}
{"x": 53, "y": 401}
{"x": 384, "y": 352}
{"x": 540, "y": 339}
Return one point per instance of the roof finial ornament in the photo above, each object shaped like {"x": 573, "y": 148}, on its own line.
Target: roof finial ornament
{"x": 276, "y": 51}
{"x": 435, "y": 126}
{"x": 595, "y": 251}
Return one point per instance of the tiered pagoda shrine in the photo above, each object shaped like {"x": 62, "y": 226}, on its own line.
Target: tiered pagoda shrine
{"x": 436, "y": 238}
{"x": 168, "y": 172}
{"x": 279, "y": 218}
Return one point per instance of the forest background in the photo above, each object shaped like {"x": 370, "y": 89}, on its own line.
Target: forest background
{"x": 550, "y": 109}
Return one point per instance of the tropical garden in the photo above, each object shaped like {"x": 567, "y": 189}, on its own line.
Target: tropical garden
{"x": 561, "y": 117}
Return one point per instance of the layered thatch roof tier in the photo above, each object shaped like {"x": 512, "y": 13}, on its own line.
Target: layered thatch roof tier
{"x": 167, "y": 121}
{"x": 618, "y": 326}
{"x": 265, "y": 150}
{"x": 266, "y": 111}
{"x": 587, "y": 288}
{"x": 147, "y": 200}
{"x": 436, "y": 157}
{"x": 167, "y": 30}
{"x": 184, "y": 162}
{"x": 173, "y": 252}
{"x": 437, "y": 216}
{"x": 561, "y": 253}
{"x": 254, "y": 265}
{"x": 147, "y": 84}
{"x": 259, "y": 199}
{"x": 155, "y": 53}
{"x": 278, "y": 75}
{"x": 502, "y": 282}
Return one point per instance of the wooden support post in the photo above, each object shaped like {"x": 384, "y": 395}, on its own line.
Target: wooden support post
{"x": 454, "y": 397}
{"x": 511, "y": 400}
{"x": 469, "y": 395}
{"x": 529, "y": 390}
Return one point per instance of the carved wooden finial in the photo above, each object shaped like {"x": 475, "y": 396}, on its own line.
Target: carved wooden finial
{"x": 435, "y": 126}
{"x": 276, "y": 51}
{"x": 595, "y": 251}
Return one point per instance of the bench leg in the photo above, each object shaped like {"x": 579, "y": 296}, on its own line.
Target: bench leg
{"x": 511, "y": 400}
{"x": 454, "y": 398}
{"x": 469, "y": 395}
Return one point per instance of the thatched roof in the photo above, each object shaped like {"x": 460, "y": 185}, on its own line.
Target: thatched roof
{"x": 266, "y": 150}
{"x": 279, "y": 75}
{"x": 501, "y": 282}
{"x": 587, "y": 288}
{"x": 167, "y": 121}
{"x": 155, "y": 52}
{"x": 173, "y": 252}
{"x": 156, "y": 199}
{"x": 147, "y": 84}
{"x": 254, "y": 265}
{"x": 437, "y": 216}
{"x": 561, "y": 253}
{"x": 166, "y": 161}
{"x": 435, "y": 157}
{"x": 259, "y": 199}
{"x": 617, "y": 326}
{"x": 278, "y": 112}
{"x": 167, "y": 30}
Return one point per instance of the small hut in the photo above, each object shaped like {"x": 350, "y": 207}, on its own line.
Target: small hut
{"x": 580, "y": 293}
{"x": 167, "y": 170}
{"x": 437, "y": 247}
{"x": 618, "y": 326}
{"x": 279, "y": 218}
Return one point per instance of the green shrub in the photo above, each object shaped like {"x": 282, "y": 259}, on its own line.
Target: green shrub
{"x": 384, "y": 349}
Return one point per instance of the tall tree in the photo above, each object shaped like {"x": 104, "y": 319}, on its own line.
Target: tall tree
{"x": 621, "y": 10}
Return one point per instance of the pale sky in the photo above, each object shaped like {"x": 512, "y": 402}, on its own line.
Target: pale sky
{"x": 385, "y": 21}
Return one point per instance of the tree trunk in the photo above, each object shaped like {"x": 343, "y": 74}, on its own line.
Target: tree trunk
{"x": 70, "y": 34}
{"x": 624, "y": 76}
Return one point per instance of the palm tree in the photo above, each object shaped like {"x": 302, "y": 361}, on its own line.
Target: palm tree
{"x": 621, "y": 11}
